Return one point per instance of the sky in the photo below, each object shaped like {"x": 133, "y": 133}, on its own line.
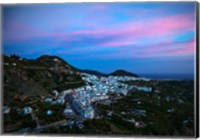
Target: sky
{"x": 140, "y": 37}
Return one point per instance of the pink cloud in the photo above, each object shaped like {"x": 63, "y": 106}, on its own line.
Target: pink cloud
{"x": 22, "y": 32}
{"x": 99, "y": 7}
{"x": 171, "y": 50}
{"x": 120, "y": 34}
{"x": 87, "y": 32}
{"x": 187, "y": 48}
{"x": 164, "y": 49}
{"x": 116, "y": 44}
{"x": 171, "y": 25}
{"x": 156, "y": 27}
{"x": 17, "y": 32}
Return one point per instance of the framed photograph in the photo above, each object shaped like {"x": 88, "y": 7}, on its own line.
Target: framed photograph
{"x": 122, "y": 69}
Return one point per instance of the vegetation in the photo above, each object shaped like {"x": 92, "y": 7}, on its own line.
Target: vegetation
{"x": 37, "y": 77}
{"x": 167, "y": 110}
{"x": 158, "y": 120}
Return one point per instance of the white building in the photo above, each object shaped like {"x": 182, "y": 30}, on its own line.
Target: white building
{"x": 68, "y": 111}
{"x": 49, "y": 112}
{"x": 55, "y": 59}
{"x": 146, "y": 89}
{"x": 14, "y": 64}
{"x": 6, "y": 110}
{"x": 87, "y": 112}
{"x": 65, "y": 92}
{"x": 139, "y": 124}
{"x": 55, "y": 93}
{"x": 60, "y": 101}
{"x": 171, "y": 110}
{"x": 27, "y": 110}
{"x": 48, "y": 100}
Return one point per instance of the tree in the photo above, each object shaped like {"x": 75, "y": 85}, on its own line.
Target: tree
{"x": 17, "y": 57}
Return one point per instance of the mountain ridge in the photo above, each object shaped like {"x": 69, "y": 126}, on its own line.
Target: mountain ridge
{"x": 121, "y": 72}
{"x": 37, "y": 77}
{"x": 40, "y": 76}
{"x": 118, "y": 72}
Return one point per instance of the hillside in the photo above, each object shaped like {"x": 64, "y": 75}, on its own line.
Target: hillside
{"x": 37, "y": 77}
{"x": 93, "y": 72}
{"x": 122, "y": 73}
{"x": 115, "y": 73}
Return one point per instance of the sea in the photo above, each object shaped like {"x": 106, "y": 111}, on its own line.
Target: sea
{"x": 168, "y": 76}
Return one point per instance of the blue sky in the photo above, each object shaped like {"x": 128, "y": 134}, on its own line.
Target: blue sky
{"x": 138, "y": 37}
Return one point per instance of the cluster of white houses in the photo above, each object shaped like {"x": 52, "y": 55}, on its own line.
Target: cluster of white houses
{"x": 96, "y": 89}
{"x": 83, "y": 107}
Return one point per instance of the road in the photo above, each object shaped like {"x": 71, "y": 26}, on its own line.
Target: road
{"x": 39, "y": 128}
{"x": 55, "y": 124}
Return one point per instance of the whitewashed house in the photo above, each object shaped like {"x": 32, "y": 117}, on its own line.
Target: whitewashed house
{"x": 49, "y": 112}
{"x": 55, "y": 93}
{"x": 27, "y": 110}
{"x": 48, "y": 100}
{"x": 6, "y": 110}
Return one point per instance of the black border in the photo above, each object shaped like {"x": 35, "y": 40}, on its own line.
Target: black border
{"x": 196, "y": 127}
{"x": 197, "y": 70}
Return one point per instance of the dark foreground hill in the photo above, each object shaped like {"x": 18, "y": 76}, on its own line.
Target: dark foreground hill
{"x": 37, "y": 77}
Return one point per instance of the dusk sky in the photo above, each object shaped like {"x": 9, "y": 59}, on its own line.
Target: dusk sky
{"x": 137, "y": 37}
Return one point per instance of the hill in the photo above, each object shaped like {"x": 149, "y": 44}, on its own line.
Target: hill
{"x": 122, "y": 73}
{"x": 93, "y": 72}
{"x": 115, "y": 73}
{"x": 37, "y": 77}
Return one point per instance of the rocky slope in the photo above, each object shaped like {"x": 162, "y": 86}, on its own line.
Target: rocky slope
{"x": 37, "y": 77}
